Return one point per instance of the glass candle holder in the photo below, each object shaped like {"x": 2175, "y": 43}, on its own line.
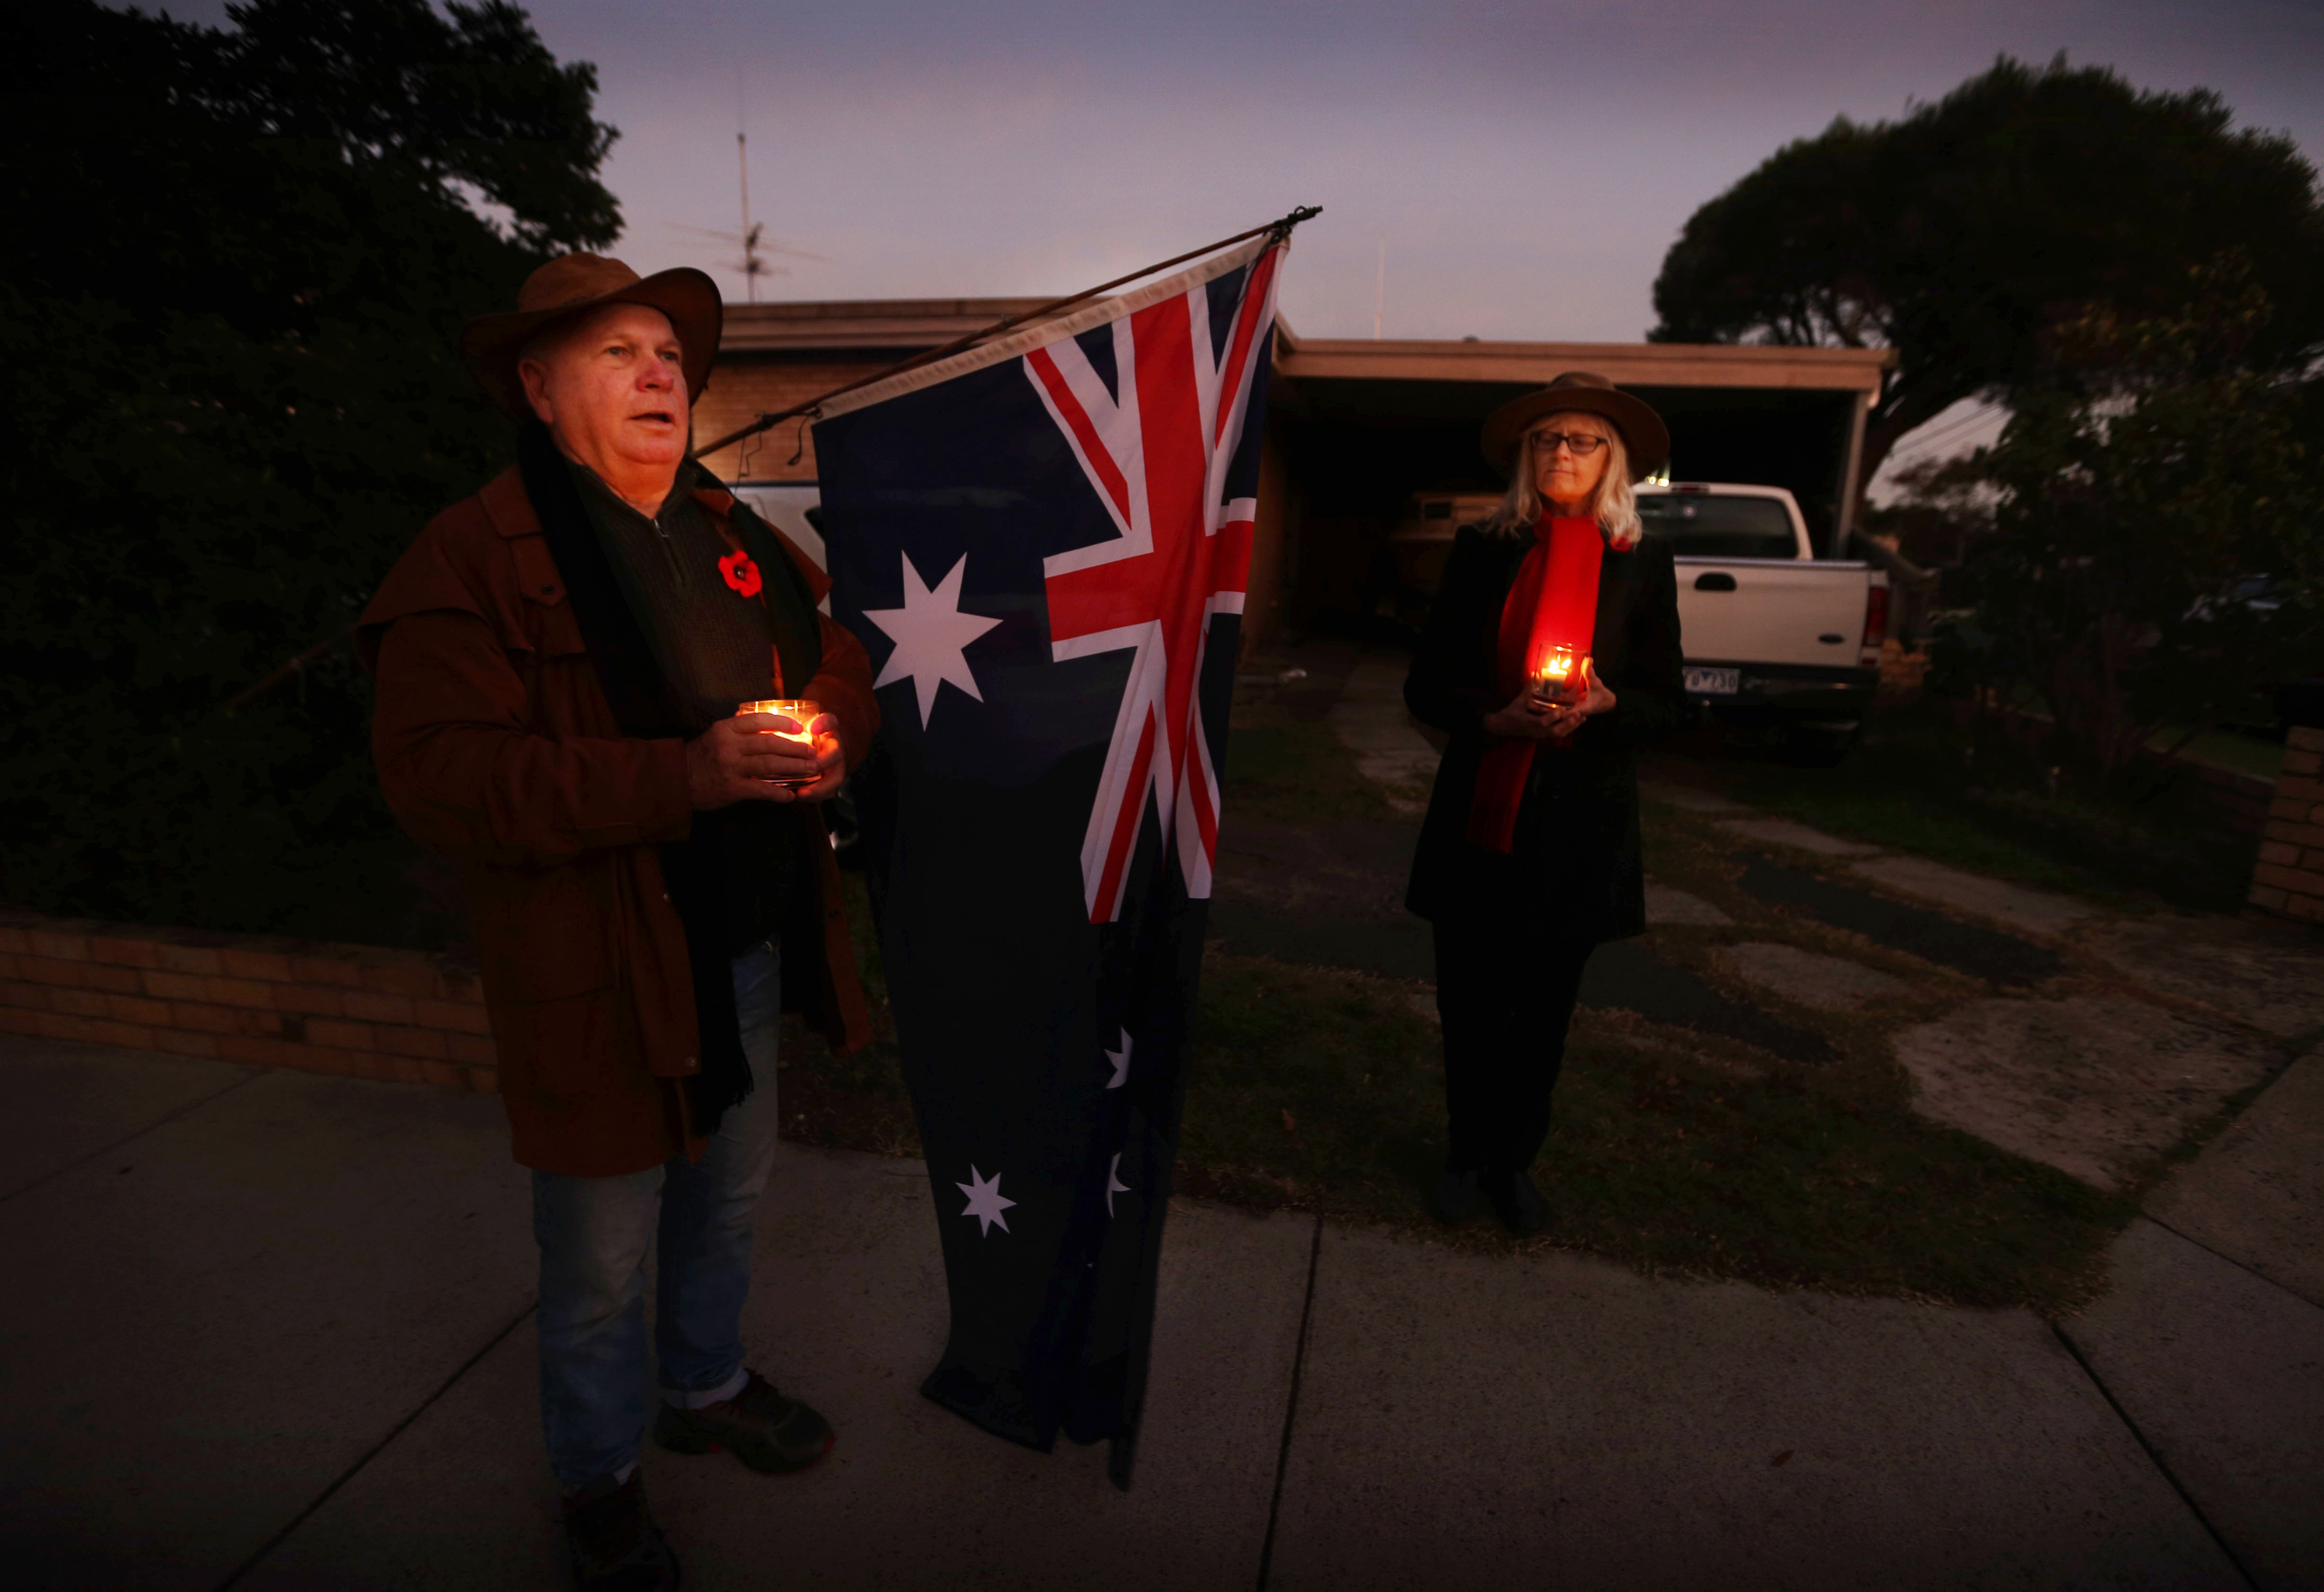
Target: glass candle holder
{"x": 796, "y": 709}
{"x": 1562, "y": 678}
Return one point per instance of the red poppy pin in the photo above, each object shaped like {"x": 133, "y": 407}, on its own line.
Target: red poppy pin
{"x": 740, "y": 572}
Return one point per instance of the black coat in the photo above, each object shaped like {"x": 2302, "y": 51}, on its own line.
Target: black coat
{"x": 1576, "y": 849}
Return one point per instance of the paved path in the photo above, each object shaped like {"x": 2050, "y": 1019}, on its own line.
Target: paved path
{"x": 1370, "y": 719}
{"x": 265, "y": 1330}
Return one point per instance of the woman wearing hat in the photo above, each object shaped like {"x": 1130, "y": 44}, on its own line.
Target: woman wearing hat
{"x": 1529, "y": 856}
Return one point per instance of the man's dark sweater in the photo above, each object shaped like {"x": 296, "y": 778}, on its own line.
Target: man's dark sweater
{"x": 717, "y": 647}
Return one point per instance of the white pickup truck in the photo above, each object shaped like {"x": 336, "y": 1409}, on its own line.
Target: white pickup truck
{"x": 1773, "y": 635}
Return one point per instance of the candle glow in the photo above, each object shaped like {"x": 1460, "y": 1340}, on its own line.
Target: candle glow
{"x": 1558, "y": 677}
{"x": 798, "y": 709}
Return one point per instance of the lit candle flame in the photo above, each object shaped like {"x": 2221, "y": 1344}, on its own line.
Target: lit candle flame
{"x": 1559, "y": 670}
{"x": 801, "y": 712}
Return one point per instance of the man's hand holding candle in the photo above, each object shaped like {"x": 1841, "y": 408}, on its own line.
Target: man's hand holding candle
{"x": 765, "y": 757}
{"x": 817, "y": 753}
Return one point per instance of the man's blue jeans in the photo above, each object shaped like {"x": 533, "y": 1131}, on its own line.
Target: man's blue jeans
{"x": 594, "y": 1234}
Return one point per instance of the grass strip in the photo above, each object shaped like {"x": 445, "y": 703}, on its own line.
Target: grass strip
{"x": 1318, "y": 1090}
{"x": 1286, "y": 766}
{"x": 1323, "y": 1090}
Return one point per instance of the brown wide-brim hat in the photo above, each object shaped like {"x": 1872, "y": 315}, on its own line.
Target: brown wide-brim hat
{"x": 1644, "y": 436}
{"x": 575, "y": 284}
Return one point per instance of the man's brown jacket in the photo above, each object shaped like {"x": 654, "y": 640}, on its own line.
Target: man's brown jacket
{"x": 496, "y": 747}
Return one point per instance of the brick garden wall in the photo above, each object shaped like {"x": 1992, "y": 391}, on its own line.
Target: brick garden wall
{"x": 2289, "y": 879}
{"x": 355, "y": 1010}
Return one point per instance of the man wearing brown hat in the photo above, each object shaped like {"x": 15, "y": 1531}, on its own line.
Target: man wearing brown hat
{"x": 648, "y": 880}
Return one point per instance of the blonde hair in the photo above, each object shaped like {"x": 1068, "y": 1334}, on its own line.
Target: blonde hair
{"x": 1612, "y": 504}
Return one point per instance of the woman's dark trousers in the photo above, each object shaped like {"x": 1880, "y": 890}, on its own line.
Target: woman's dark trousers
{"x": 1505, "y": 989}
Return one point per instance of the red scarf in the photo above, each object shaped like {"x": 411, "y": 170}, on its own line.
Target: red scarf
{"x": 1554, "y": 601}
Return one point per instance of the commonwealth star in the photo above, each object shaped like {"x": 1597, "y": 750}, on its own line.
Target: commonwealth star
{"x": 984, "y": 1202}
{"x": 931, "y": 634}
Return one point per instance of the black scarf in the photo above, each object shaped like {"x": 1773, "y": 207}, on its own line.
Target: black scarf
{"x": 717, "y": 875}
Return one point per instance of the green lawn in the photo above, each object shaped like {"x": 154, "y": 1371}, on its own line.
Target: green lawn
{"x": 1323, "y": 1090}
{"x": 1285, "y": 768}
{"x": 1317, "y": 1090}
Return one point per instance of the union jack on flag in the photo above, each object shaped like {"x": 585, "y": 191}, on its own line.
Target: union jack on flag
{"x": 1157, "y": 443}
{"x": 1045, "y": 544}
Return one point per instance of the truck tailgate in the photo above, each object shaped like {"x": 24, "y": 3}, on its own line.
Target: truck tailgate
{"x": 1771, "y": 611}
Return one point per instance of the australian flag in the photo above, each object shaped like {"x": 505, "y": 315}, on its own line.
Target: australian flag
{"x": 1044, "y": 543}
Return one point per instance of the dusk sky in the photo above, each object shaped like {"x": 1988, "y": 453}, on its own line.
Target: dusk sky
{"x": 1525, "y": 165}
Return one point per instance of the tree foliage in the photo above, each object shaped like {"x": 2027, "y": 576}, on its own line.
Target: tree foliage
{"x": 2138, "y": 496}
{"x": 258, "y": 244}
{"x": 1960, "y": 235}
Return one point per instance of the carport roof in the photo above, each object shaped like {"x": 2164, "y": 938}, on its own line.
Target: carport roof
{"x": 1627, "y": 365}
{"x": 906, "y": 325}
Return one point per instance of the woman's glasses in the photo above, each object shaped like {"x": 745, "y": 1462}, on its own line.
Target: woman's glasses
{"x": 1582, "y": 443}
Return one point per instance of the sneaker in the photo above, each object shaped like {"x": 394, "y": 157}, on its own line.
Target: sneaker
{"x": 1452, "y": 1198}
{"x": 1517, "y": 1202}
{"x": 757, "y": 1426}
{"x": 614, "y": 1544}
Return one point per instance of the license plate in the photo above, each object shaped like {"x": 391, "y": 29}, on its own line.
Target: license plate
{"x": 1714, "y": 682}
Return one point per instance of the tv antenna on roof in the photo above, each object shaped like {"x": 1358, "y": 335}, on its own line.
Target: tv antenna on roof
{"x": 752, "y": 237}
{"x": 755, "y": 249}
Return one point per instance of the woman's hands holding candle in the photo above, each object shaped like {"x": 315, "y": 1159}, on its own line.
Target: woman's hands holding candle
{"x": 1527, "y": 718}
{"x": 1564, "y": 721}
{"x": 764, "y": 757}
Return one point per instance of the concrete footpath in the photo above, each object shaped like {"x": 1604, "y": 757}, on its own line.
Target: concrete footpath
{"x": 267, "y": 1329}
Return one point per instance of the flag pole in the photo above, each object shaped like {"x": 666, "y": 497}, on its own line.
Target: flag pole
{"x": 771, "y": 418}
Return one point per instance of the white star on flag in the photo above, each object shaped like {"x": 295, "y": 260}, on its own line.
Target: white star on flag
{"x": 1121, "y": 1060}
{"x": 930, "y": 633}
{"x": 1113, "y": 1183}
{"x": 986, "y": 1203}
